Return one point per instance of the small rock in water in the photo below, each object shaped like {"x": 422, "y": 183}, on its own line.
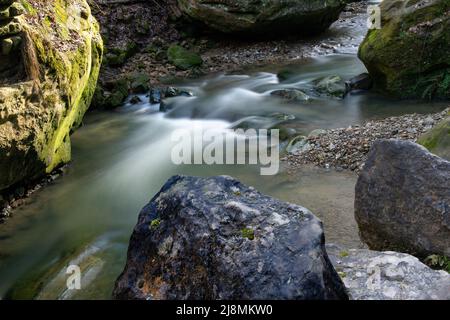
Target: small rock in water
{"x": 293, "y": 95}
{"x": 155, "y": 96}
{"x": 332, "y": 86}
{"x": 135, "y": 100}
{"x": 361, "y": 82}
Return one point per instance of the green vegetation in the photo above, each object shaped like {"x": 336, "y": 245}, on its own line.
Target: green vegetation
{"x": 154, "y": 224}
{"x": 248, "y": 233}
{"x": 182, "y": 58}
{"x": 438, "y": 262}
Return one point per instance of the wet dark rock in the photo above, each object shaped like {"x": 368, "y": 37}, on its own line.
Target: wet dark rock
{"x": 360, "y": 82}
{"x": 171, "y": 92}
{"x": 155, "y": 96}
{"x": 135, "y": 100}
{"x": 403, "y": 199}
{"x": 215, "y": 238}
{"x": 139, "y": 83}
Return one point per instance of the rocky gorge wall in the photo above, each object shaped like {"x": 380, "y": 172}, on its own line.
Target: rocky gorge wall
{"x": 50, "y": 58}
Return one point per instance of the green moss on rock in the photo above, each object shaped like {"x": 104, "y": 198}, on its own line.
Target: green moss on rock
{"x": 437, "y": 140}
{"x": 61, "y": 60}
{"x": 409, "y": 56}
{"x": 182, "y": 58}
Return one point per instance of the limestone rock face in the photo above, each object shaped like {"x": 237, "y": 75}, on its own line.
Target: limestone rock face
{"x": 373, "y": 275}
{"x": 215, "y": 238}
{"x": 402, "y": 200}
{"x": 264, "y": 16}
{"x": 50, "y": 58}
{"x": 408, "y": 57}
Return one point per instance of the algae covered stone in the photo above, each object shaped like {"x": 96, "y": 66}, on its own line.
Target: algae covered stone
{"x": 437, "y": 140}
{"x": 409, "y": 56}
{"x": 183, "y": 58}
{"x": 46, "y": 91}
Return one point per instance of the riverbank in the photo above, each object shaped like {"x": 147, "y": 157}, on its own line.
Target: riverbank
{"x": 347, "y": 148}
{"x": 146, "y": 29}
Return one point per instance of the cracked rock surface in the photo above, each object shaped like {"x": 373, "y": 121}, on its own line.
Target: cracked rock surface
{"x": 215, "y": 238}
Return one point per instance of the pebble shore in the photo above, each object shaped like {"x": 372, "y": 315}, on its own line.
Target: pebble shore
{"x": 347, "y": 148}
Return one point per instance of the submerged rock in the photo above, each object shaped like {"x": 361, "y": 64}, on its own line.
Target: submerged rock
{"x": 402, "y": 200}
{"x": 264, "y": 16}
{"x": 408, "y": 57}
{"x": 374, "y": 275}
{"x": 215, "y": 238}
{"x": 292, "y": 95}
{"x": 46, "y": 87}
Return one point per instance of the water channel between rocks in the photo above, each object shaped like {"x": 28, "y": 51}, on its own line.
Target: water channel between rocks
{"x": 121, "y": 159}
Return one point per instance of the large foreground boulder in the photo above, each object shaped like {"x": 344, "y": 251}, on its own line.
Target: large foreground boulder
{"x": 264, "y": 16}
{"x": 403, "y": 199}
{"x": 409, "y": 56}
{"x": 374, "y": 275}
{"x": 215, "y": 238}
{"x": 49, "y": 63}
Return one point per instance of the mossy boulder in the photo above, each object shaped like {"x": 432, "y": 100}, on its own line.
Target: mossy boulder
{"x": 53, "y": 80}
{"x": 264, "y": 16}
{"x": 409, "y": 56}
{"x": 182, "y": 58}
{"x": 437, "y": 140}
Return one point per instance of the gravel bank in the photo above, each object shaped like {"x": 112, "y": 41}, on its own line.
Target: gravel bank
{"x": 347, "y": 148}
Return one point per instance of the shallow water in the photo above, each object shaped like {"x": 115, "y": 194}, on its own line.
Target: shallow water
{"x": 121, "y": 159}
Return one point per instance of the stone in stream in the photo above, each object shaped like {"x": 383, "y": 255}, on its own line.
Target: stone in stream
{"x": 332, "y": 86}
{"x": 360, "y": 82}
{"x": 267, "y": 17}
{"x": 292, "y": 95}
{"x": 215, "y": 238}
{"x": 374, "y": 275}
{"x": 402, "y": 200}
{"x": 408, "y": 56}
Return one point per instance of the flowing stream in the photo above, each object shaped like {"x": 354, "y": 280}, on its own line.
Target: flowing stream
{"x": 121, "y": 159}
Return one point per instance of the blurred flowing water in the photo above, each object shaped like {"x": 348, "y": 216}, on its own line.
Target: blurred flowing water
{"x": 121, "y": 159}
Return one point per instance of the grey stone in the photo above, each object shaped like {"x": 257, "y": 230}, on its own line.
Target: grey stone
{"x": 403, "y": 199}
{"x": 373, "y": 275}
